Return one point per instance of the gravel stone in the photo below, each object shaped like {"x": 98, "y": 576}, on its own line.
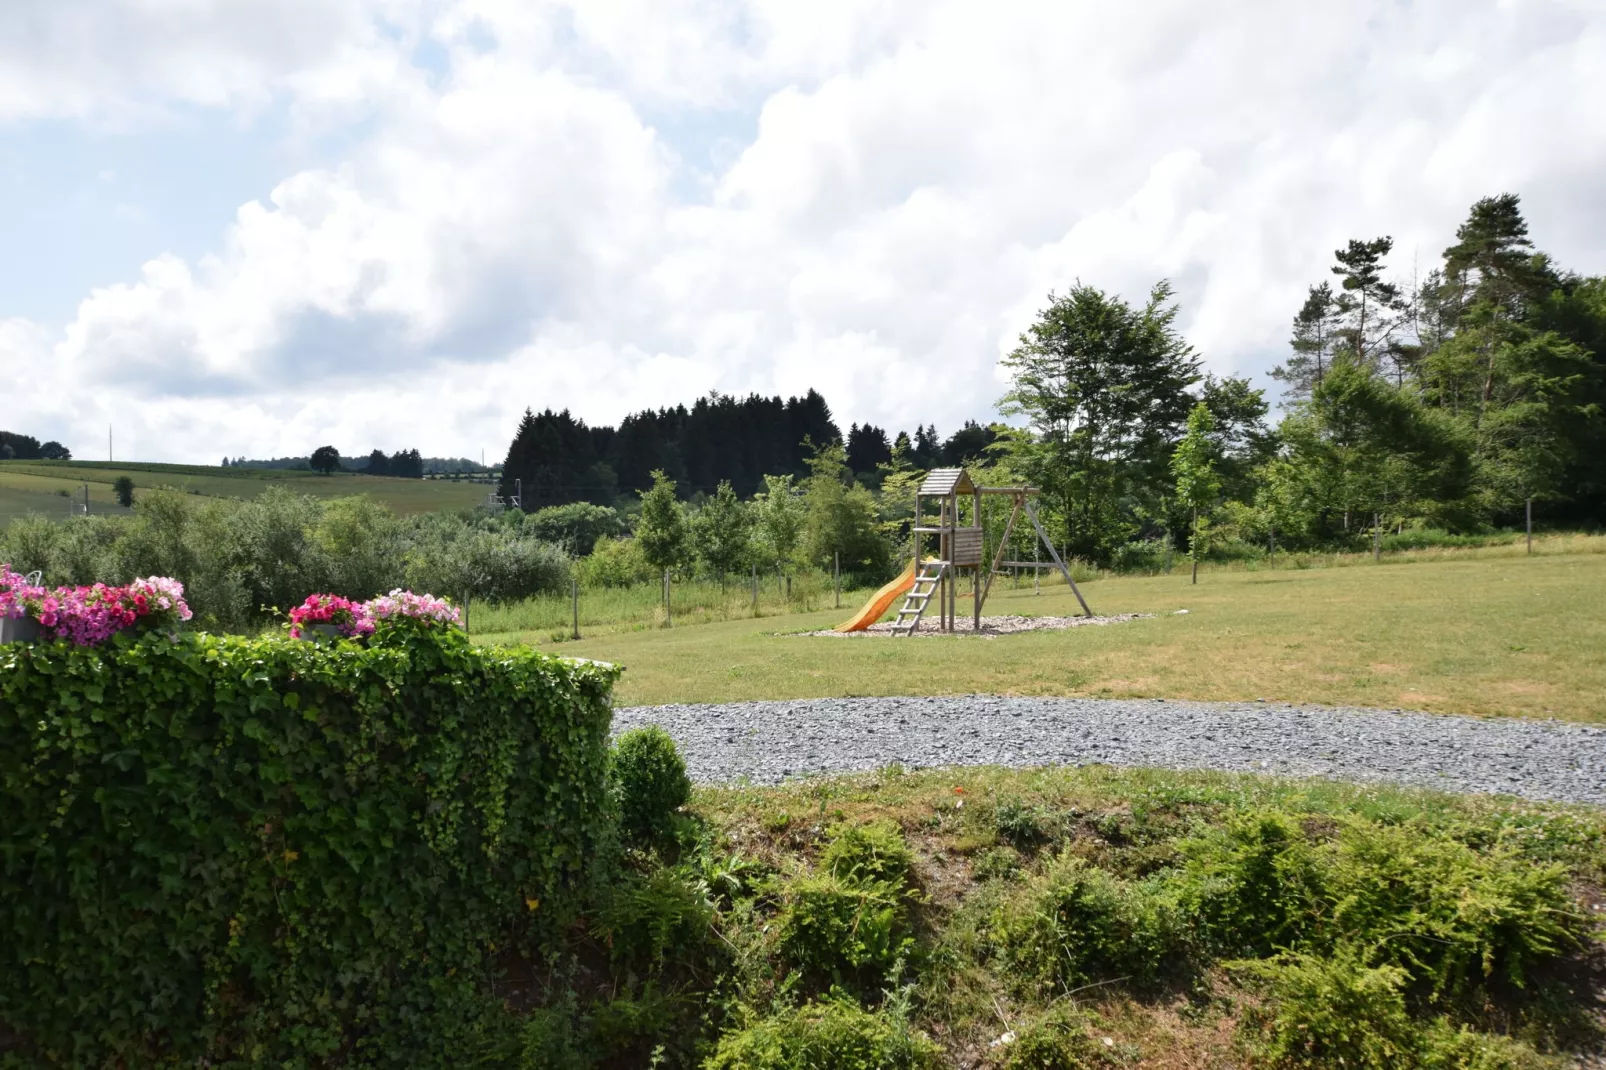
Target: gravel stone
{"x": 990, "y": 626}
{"x": 767, "y": 742}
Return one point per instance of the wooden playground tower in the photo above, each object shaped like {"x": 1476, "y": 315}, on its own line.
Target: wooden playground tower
{"x": 960, "y": 546}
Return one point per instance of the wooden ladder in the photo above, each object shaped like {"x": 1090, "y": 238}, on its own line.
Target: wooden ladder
{"x": 919, "y": 597}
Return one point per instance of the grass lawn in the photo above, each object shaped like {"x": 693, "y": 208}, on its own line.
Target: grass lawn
{"x": 34, "y": 486}
{"x": 1479, "y": 632}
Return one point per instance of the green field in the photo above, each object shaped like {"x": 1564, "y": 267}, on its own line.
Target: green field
{"x": 1481, "y": 632}
{"x": 35, "y": 486}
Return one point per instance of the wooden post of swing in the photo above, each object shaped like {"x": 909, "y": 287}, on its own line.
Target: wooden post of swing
{"x": 574, "y": 594}
{"x": 755, "y": 589}
{"x": 669, "y": 621}
{"x": 836, "y": 576}
{"x": 981, "y": 556}
{"x": 1529, "y": 509}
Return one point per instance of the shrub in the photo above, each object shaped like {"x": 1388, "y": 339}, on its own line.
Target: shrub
{"x": 548, "y": 1041}
{"x": 1448, "y": 1047}
{"x": 826, "y": 1036}
{"x": 1076, "y": 924}
{"x": 260, "y": 849}
{"x": 1451, "y": 916}
{"x": 653, "y": 921}
{"x": 871, "y": 852}
{"x": 1324, "y": 1012}
{"x": 1256, "y": 886}
{"x": 844, "y": 932}
{"x": 1144, "y": 555}
{"x": 614, "y": 563}
{"x": 650, "y": 782}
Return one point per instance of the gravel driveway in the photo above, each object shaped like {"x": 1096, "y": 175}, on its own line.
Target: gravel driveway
{"x": 771, "y": 741}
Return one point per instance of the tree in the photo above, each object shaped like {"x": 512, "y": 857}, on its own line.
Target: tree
{"x": 867, "y": 449}
{"x": 1315, "y": 327}
{"x": 123, "y": 487}
{"x": 1366, "y": 306}
{"x": 1194, "y": 465}
{"x": 325, "y": 459}
{"x": 1241, "y": 438}
{"x": 780, "y": 517}
{"x": 577, "y": 527}
{"x": 54, "y": 451}
{"x": 841, "y": 518}
{"x": 1104, "y": 387}
{"x": 968, "y": 445}
{"x": 661, "y": 529}
{"x": 722, "y": 532}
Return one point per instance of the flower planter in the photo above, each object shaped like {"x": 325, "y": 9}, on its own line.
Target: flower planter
{"x": 18, "y": 630}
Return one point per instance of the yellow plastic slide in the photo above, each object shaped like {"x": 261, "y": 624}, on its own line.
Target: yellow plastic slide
{"x": 880, "y": 601}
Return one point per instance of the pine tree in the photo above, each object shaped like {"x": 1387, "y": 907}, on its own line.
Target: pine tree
{"x": 1368, "y": 307}
{"x": 1315, "y": 327}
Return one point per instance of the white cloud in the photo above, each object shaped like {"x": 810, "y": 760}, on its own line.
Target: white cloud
{"x": 530, "y": 224}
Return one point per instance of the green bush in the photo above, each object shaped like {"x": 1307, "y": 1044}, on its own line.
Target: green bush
{"x": 1256, "y": 887}
{"x": 614, "y": 563}
{"x": 844, "y": 932}
{"x": 1451, "y": 916}
{"x": 826, "y": 1036}
{"x": 1332, "y": 1011}
{"x": 871, "y": 852}
{"x": 1076, "y": 924}
{"x": 1339, "y": 1010}
{"x": 261, "y": 849}
{"x": 649, "y": 922}
{"x": 650, "y": 782}
{"x": 1448, "y": 1047}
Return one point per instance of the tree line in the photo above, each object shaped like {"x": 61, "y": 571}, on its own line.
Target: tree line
{"x": 556, "y": 458}
{"x": 19, "y": 447}
{"x": 1454, "y": 403}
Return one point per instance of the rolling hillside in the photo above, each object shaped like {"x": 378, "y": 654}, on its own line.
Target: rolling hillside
{"x": 39, "y": 486}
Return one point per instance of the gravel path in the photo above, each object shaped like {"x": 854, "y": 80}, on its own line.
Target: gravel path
{"x": 770, "y": 741}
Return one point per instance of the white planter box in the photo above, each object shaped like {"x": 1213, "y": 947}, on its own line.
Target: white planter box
{"x": 18, "y": 630}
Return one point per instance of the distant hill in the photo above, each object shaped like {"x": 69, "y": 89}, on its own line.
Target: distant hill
{"x": 54, "y": 487}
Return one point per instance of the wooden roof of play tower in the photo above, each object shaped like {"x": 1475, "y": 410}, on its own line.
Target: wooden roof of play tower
{"x": 943, "y": 482}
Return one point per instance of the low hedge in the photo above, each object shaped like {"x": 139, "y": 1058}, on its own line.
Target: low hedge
{"x": 251, "y": 850}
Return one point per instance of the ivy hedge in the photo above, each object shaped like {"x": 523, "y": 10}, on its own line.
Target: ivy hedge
{"x": 233, "y": 850}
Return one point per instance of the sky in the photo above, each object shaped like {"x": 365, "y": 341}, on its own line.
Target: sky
{"x": 252, "y": 227}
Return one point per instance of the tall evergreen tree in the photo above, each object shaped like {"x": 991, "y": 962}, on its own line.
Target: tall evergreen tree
{"x": 1315, "y": 332}
{"x": 1367, "y": 306}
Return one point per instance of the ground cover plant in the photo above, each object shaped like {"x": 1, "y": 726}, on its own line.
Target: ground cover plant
{"x": 1482, "y": 631}
{"x": 1084, "y": 918}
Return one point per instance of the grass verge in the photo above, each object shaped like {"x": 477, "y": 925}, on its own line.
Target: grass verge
{"x": 1007, "y": 919}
